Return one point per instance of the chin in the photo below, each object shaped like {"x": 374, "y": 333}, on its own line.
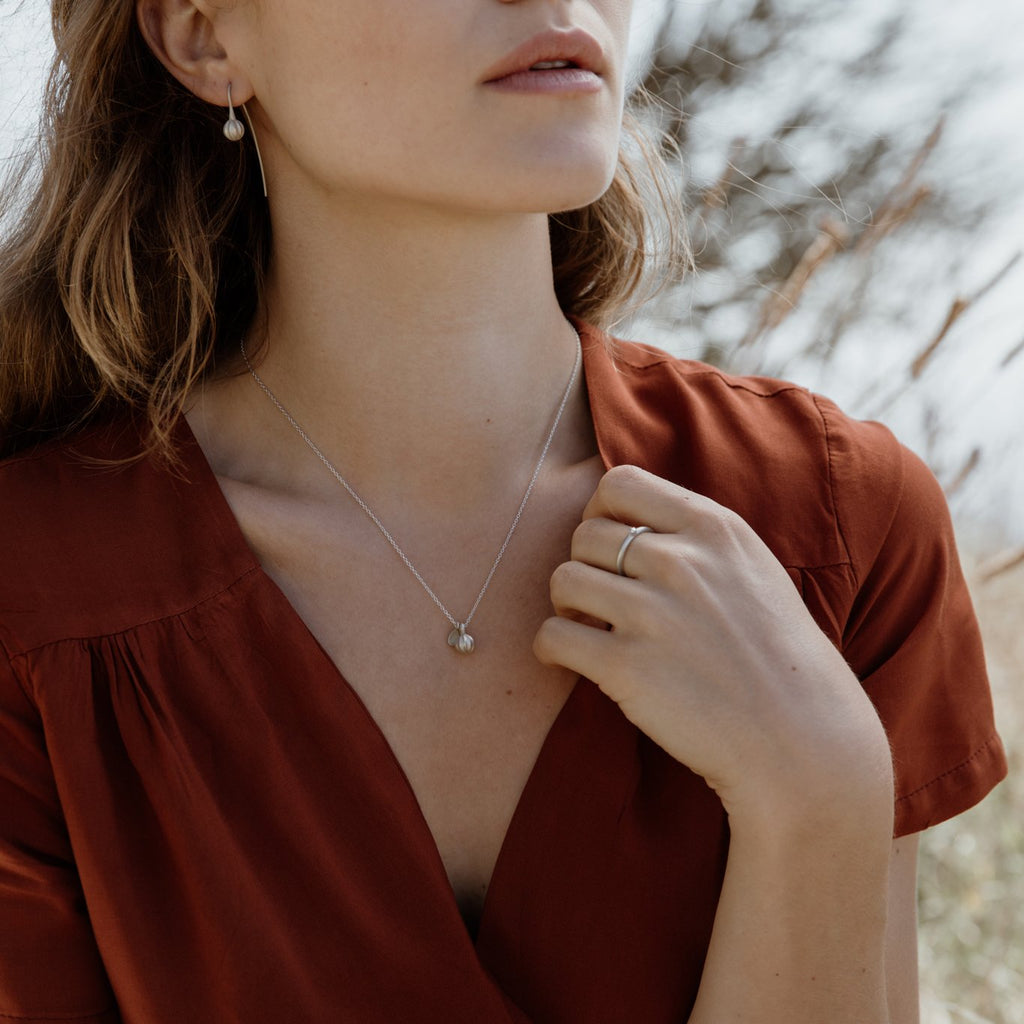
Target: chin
{"x": 576, "y": 199}
{"x": 558, "y": 186}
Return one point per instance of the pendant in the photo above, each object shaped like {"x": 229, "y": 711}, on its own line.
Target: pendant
{"x": 461, "y": 640}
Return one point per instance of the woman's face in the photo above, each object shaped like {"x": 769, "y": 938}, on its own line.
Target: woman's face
{"x": 397, "y": 99}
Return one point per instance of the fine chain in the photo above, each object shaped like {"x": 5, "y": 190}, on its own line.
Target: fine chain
{"x": 458, "y": 638}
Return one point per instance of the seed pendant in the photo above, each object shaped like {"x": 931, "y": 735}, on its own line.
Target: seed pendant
{"x": 461, "y": 641}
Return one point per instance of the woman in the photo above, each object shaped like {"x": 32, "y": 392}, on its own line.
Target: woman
{"x": 245, "y": 777}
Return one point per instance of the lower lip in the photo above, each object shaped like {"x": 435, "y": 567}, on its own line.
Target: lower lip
{"x": 549, "y": 80}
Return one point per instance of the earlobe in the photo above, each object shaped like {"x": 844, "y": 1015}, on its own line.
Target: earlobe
{"x": 183, "y": 38}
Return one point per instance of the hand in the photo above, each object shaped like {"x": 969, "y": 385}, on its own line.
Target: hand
{"x": 711, "y": 652}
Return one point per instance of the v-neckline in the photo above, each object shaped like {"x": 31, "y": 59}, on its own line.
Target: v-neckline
{"x": 232, "y": 529}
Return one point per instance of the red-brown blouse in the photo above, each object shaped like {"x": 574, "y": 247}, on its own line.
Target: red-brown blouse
{"x": 201, "y": 824}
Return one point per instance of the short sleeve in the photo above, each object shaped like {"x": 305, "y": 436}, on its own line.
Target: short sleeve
{"x": 911, "y": 634}
{"x": 50, "y": 968}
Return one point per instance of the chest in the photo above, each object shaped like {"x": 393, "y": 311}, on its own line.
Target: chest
{"x": 465, "y": 729}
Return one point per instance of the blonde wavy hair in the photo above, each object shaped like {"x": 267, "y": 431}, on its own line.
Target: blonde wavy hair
{"x": 123, "y": 274}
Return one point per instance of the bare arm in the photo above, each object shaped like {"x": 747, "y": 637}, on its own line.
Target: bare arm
{"x": 803, "y": 930}
{"x": 799, "y": 933}
{"x": 901, "y": 934}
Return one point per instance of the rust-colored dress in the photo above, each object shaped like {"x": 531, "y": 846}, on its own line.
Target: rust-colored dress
{"x": 200, "y": 823}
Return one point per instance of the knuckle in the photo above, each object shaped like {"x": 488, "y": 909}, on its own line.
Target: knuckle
{"x": 586, "y": 529}
{"x": 561, "y": 574}
{"x": 726, "y": 517}
{"x": 717, "y": 524}
{"x": 731, "y": 531}
{"x": 549, "y": 641}
{"x": 542, "y": 642}
{"x": 620, "y": 479}
{"x": 585, "y": 534}
{"x": 565, "y": 579}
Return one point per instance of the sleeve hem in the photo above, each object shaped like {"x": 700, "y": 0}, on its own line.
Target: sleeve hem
{"x": 956, "y": 790}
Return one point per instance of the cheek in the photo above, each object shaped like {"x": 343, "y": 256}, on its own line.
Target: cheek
{"x": 338, "y": 88}
{"x": 618, "y": 15}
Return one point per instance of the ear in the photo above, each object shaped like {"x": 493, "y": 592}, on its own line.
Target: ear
{"x": 183, "y": 36}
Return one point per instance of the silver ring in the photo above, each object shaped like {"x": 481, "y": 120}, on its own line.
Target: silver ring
{"x": 634, "y": 532}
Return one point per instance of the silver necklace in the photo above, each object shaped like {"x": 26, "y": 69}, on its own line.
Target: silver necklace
{"x": 458, "y": 639}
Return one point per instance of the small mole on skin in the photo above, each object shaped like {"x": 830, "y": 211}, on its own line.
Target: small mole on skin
{"x": 792, "y": 668}
{"x": 508, "y": 693}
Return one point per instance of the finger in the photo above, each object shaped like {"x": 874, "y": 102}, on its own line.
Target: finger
{"x": 598, "y": 541}
{"x": 631, "y": 495}
{"x": 576, "y": 587}
{"x": 581, "y": 649}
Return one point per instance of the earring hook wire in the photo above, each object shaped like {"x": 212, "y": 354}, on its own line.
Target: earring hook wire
{"x": 256, "y": 143}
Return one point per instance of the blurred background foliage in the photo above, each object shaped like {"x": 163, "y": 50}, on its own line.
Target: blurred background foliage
{"x": 856, "y": 208}
{"x": 856, "y": 189}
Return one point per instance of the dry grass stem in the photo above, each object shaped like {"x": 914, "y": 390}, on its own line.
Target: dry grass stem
{"x": 959, "y": 306}
{"x": 921, "y": 157}
{"x": 972, "y": 462}
{"x": 717, "y": 196}
{"x": 904, "y": 198}
{"x": 830, "y": 239}
{"x": 891, "y": 215}
{"x": 1012, "y": 354}
{"x": 957, "y": 309}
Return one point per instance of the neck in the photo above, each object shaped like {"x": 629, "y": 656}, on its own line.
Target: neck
{"x": 425, "y": 353}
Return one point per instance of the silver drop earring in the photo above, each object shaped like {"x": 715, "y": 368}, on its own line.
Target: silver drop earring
{"x": 233, "y": 128}
{"x": 235, "y": 131}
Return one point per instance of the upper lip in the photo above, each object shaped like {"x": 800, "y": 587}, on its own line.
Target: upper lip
{"x": 572, "y": 45}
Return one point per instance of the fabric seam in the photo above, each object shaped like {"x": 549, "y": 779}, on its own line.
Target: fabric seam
{"x": 838, "y": 519}
{"x": 736, "y": 383}
{"x": 951, "y": 771}
{"x": 137, "y": 625}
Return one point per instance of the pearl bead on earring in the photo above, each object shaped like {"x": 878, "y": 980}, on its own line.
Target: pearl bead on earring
{"x": 233, "y": 128}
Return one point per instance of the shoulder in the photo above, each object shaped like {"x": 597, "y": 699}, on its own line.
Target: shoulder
{"x": 819, "y": 486}
{"x": 862, "y": 526}
{"x": 96, "y": 539}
